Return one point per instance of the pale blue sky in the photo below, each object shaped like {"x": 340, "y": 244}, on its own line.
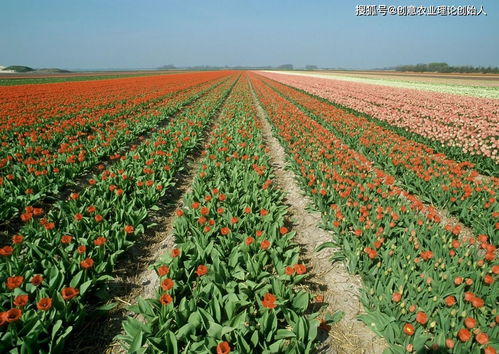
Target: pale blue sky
{"x": 144, "y": 34}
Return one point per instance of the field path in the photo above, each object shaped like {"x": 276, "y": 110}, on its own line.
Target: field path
{"x": 340, "y": 289}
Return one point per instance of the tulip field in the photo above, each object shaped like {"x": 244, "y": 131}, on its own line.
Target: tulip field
{"x": 449, "y": 123}
{"x": 405, "y": 182}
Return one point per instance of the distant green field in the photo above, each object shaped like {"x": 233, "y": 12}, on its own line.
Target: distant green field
{"x": 13, "y": 81}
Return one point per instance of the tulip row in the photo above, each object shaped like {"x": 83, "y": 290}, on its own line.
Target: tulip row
{"x": 38, "y": 171}
{"x": 228, "y": 284}
{"x": 433, "y": 177}
{"x": 464, "y": 128}
{"x": 423, "y": 287}
{"x": 60, "y": 261}
{"x": 28, "y": 108}
{"x": 79, "y": 111}
{"x": 87, "y": 108}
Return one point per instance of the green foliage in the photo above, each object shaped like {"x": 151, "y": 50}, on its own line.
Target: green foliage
{"x": 446, "y": 68}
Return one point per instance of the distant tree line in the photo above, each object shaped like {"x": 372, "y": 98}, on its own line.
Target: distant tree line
{"x": 446, "y": 68}
{"x": 225, "y": 67}
{"x": 167, "y": 67}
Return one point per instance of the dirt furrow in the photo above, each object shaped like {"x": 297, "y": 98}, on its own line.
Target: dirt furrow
{"x": 340, "y": 289}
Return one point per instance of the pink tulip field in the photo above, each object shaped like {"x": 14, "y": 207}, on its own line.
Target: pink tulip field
{"x": 468, "y": 123}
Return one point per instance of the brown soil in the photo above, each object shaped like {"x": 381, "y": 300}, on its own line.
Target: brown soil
{"x": 339, "y": 288}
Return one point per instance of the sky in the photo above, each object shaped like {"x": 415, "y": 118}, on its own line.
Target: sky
{"x": 120, "y": 34}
